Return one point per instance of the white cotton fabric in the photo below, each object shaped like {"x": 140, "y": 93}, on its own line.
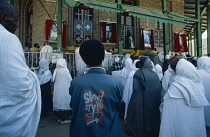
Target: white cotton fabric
{"x": 124, "y": 59}
{"x": 62, "y": 80}
{"x": 153, "y": 66}
{"x": 134, "y": 64}
{"x": 204, "y": 72}
{"x": 127, "y": 92}
{"x": 20, "y": 96}
{"x": 43, "y": 73}
{"x": 183, "y": 114}
{"x": 80, "y": 64}
{"x": 158, "y": 70}
{"x": 46, "y": 53}
{"x": 124, "y": 73}
{"x": 167, "y": 80}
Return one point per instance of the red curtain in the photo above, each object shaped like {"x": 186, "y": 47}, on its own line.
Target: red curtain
{"x": 47, "y": 28}
{"x": 142, "y": 40}
{"x": 184, "y": 39}
{"x": 152, "y": 40}
{"x": 114, "y": 33}
{"x": 177, "y": 44}
{"x": 104, "y": 31}
{"x": 64, "y": 34}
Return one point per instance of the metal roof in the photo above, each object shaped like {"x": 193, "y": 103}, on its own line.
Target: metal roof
{"x": 189, "y": 11}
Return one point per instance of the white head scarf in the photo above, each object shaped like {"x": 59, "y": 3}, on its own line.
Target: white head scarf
{"x": 159, "y": 71}
{"x": 204, "y": 64}
{"x": 124, "y": 59}
{"x": 61, "y": 63}
{"x": 127, "y": 69}
{"x": 187, "y": 84}
{"x": 43, "y": 73}
{"x": 134, "y": 64}
{"x": 153, "y": 66}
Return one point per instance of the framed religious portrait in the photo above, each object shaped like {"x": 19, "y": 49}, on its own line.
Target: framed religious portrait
{"x": 156, "y": 43}
{"x": 161, "y": 34}
{"x": 129, "y": 30}
{"x": 53, "y": 32}
{"x": 161, "y": 43}
{"x": 156, "y": 34}
{"x": 147, "y": 36}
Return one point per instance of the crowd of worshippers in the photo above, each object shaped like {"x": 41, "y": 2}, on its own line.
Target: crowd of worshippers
{"x": 155, "y": 102}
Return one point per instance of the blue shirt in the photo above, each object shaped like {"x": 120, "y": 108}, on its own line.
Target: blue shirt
{"x": 95, "y": 98}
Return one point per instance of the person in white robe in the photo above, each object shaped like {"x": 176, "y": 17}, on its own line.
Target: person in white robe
{"x": 124, "y": 73}
{"x": 183, "y": 113}
{"x": 203, "y": 67}
{"x": 124, "y": 58}
{"x": 80, "y": 64}
{"x": 46, "y": 53}
{"x": 61, "y": 98}
{"x": 20, "y": 96}
{"x": 158, "y": 70}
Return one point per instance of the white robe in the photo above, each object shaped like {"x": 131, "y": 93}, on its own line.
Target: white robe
{"x": 158, "y": 70}
{"x": 20, "y": 96}
{"x": 46, "y": 53}
{"x": 62, "y": 80}
{"x": 204, "y": 72}
{"x": 183, "y": 114}
{"x": 80, "y": 64}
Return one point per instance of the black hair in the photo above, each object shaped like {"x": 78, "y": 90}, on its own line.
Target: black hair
{"x": 36, "y": 44}
{"x": 137, "y": 64}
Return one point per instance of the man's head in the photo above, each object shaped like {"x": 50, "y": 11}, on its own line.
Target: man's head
{"x": 36, "y": 45}
{"x": 174, "y": 62}
{"x": 28, "y": 45}
{"x": 92, "y": 52}
{"x": 8, "y": 16}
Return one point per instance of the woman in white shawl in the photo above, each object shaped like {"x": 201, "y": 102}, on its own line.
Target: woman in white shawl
{"x": 44, "y": 75}
{"x": 183, "y": 114}
{"x": 61, "y": 97}
{"x": 203, "y": 67}
{"x": 124, "y": 73}
{"x": 158, "y": 70}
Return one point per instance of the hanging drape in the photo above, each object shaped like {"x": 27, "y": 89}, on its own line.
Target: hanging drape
{"x": 184, "y": 39}
{"x": 104, "y": 31}
{"x": 64, "y": 34}
{"x": 152, "y": 40}
{"x": 114, "y": 33}
{"x": 177, "y": 44}
{"x": 47, "y": 28}
{"x": 142, "y": 47}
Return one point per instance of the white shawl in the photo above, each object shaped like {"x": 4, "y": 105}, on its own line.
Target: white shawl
{"x": 43, "y": 73}
{"x": 188, "y": 85}
{"x": 204, "y": 72}
{"x": 80, "y": 64}
{"x": 159, "y": 71}
{"x": 20, "y": 96}
{"x": 62, "y": 80}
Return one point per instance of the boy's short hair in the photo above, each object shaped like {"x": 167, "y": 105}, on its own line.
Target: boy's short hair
{"x": 92, "y": 52}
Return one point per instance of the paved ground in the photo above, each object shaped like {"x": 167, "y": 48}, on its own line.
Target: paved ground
{"x": 49, "y": 127}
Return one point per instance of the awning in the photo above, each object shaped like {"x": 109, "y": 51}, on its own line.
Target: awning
{"x": 171, "y": 14}
{"x": 146, "y": 13}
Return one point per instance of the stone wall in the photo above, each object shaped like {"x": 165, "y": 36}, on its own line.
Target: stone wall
{"x": 40, "y": 16}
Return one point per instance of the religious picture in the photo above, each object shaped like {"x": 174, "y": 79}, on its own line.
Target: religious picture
{"x": 53, "y": 32}
{"x": 161, "y": 34}
{"x": 156, "y": 34}
{"x": 147, "y": 35}
{"x": 156, "y": 43}
{"x": 161, "y": 43}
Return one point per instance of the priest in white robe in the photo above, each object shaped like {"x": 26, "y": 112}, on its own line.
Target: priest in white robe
{"x": 183, "y": 113}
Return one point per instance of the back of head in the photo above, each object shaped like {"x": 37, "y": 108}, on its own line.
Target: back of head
{"x": 61, "y": 63}
{"x": 145, "y": 62}
{"x": 203, "y": 63}
{"x": 8, "y": 16}
{"x": 174, "y": 61}
{"x": 92, "y": 52}
{"x": 43, "y": 63}
{"x": 36, "y": 45}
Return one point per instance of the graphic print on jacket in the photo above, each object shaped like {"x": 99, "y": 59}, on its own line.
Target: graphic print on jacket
{"x": 94, "y": 104}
